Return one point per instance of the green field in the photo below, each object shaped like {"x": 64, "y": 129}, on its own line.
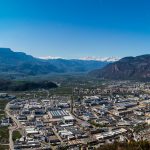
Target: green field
{"x": 4, "y": 147}
{"x": 4, "y": 135}
{"x": 2, "y": 107}
{"x": 16, "y": 135}
{"x": 4, "y": 131}
{"x": 3, "y": 104}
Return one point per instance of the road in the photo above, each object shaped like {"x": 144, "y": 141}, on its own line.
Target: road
{"x": 12, "y": 128}
{"x": 58, "y": 136}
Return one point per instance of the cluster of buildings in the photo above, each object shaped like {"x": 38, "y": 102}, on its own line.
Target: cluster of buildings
{"x": 88, "y": 121}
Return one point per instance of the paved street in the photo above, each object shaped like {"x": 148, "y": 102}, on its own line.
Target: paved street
{"x": 16, "y": 126}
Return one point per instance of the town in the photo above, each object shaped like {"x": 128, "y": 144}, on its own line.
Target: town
{"x": 87, "y": 118}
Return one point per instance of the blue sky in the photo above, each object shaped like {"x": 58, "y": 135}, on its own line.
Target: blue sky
{"x": 76, "y": 28}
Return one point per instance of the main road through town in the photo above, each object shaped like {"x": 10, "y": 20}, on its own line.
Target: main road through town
{"x": 16, "y": 126}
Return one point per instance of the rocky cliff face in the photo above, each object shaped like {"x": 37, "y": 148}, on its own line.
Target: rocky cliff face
{"x": 126, "y": 68}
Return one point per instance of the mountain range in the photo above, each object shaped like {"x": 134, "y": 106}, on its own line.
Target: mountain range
{"x": 19, "y": 63}
{"x": 103, "y": 59}
{"x": 23, "y": 64}
{"x": 126, "y": 68}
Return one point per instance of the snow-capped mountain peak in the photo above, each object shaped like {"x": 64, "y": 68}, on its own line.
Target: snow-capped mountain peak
{"x": 107, "y": 59}
{"x": 103, "y": 59}
{"x": 49, "y": 57}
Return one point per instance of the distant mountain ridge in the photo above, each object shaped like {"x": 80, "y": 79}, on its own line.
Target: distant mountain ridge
{"x": 106, "y": 59}
{"x": 126, "y": 68}
{"x": 21, "y": 63}
{"x": 103, "y": 59}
